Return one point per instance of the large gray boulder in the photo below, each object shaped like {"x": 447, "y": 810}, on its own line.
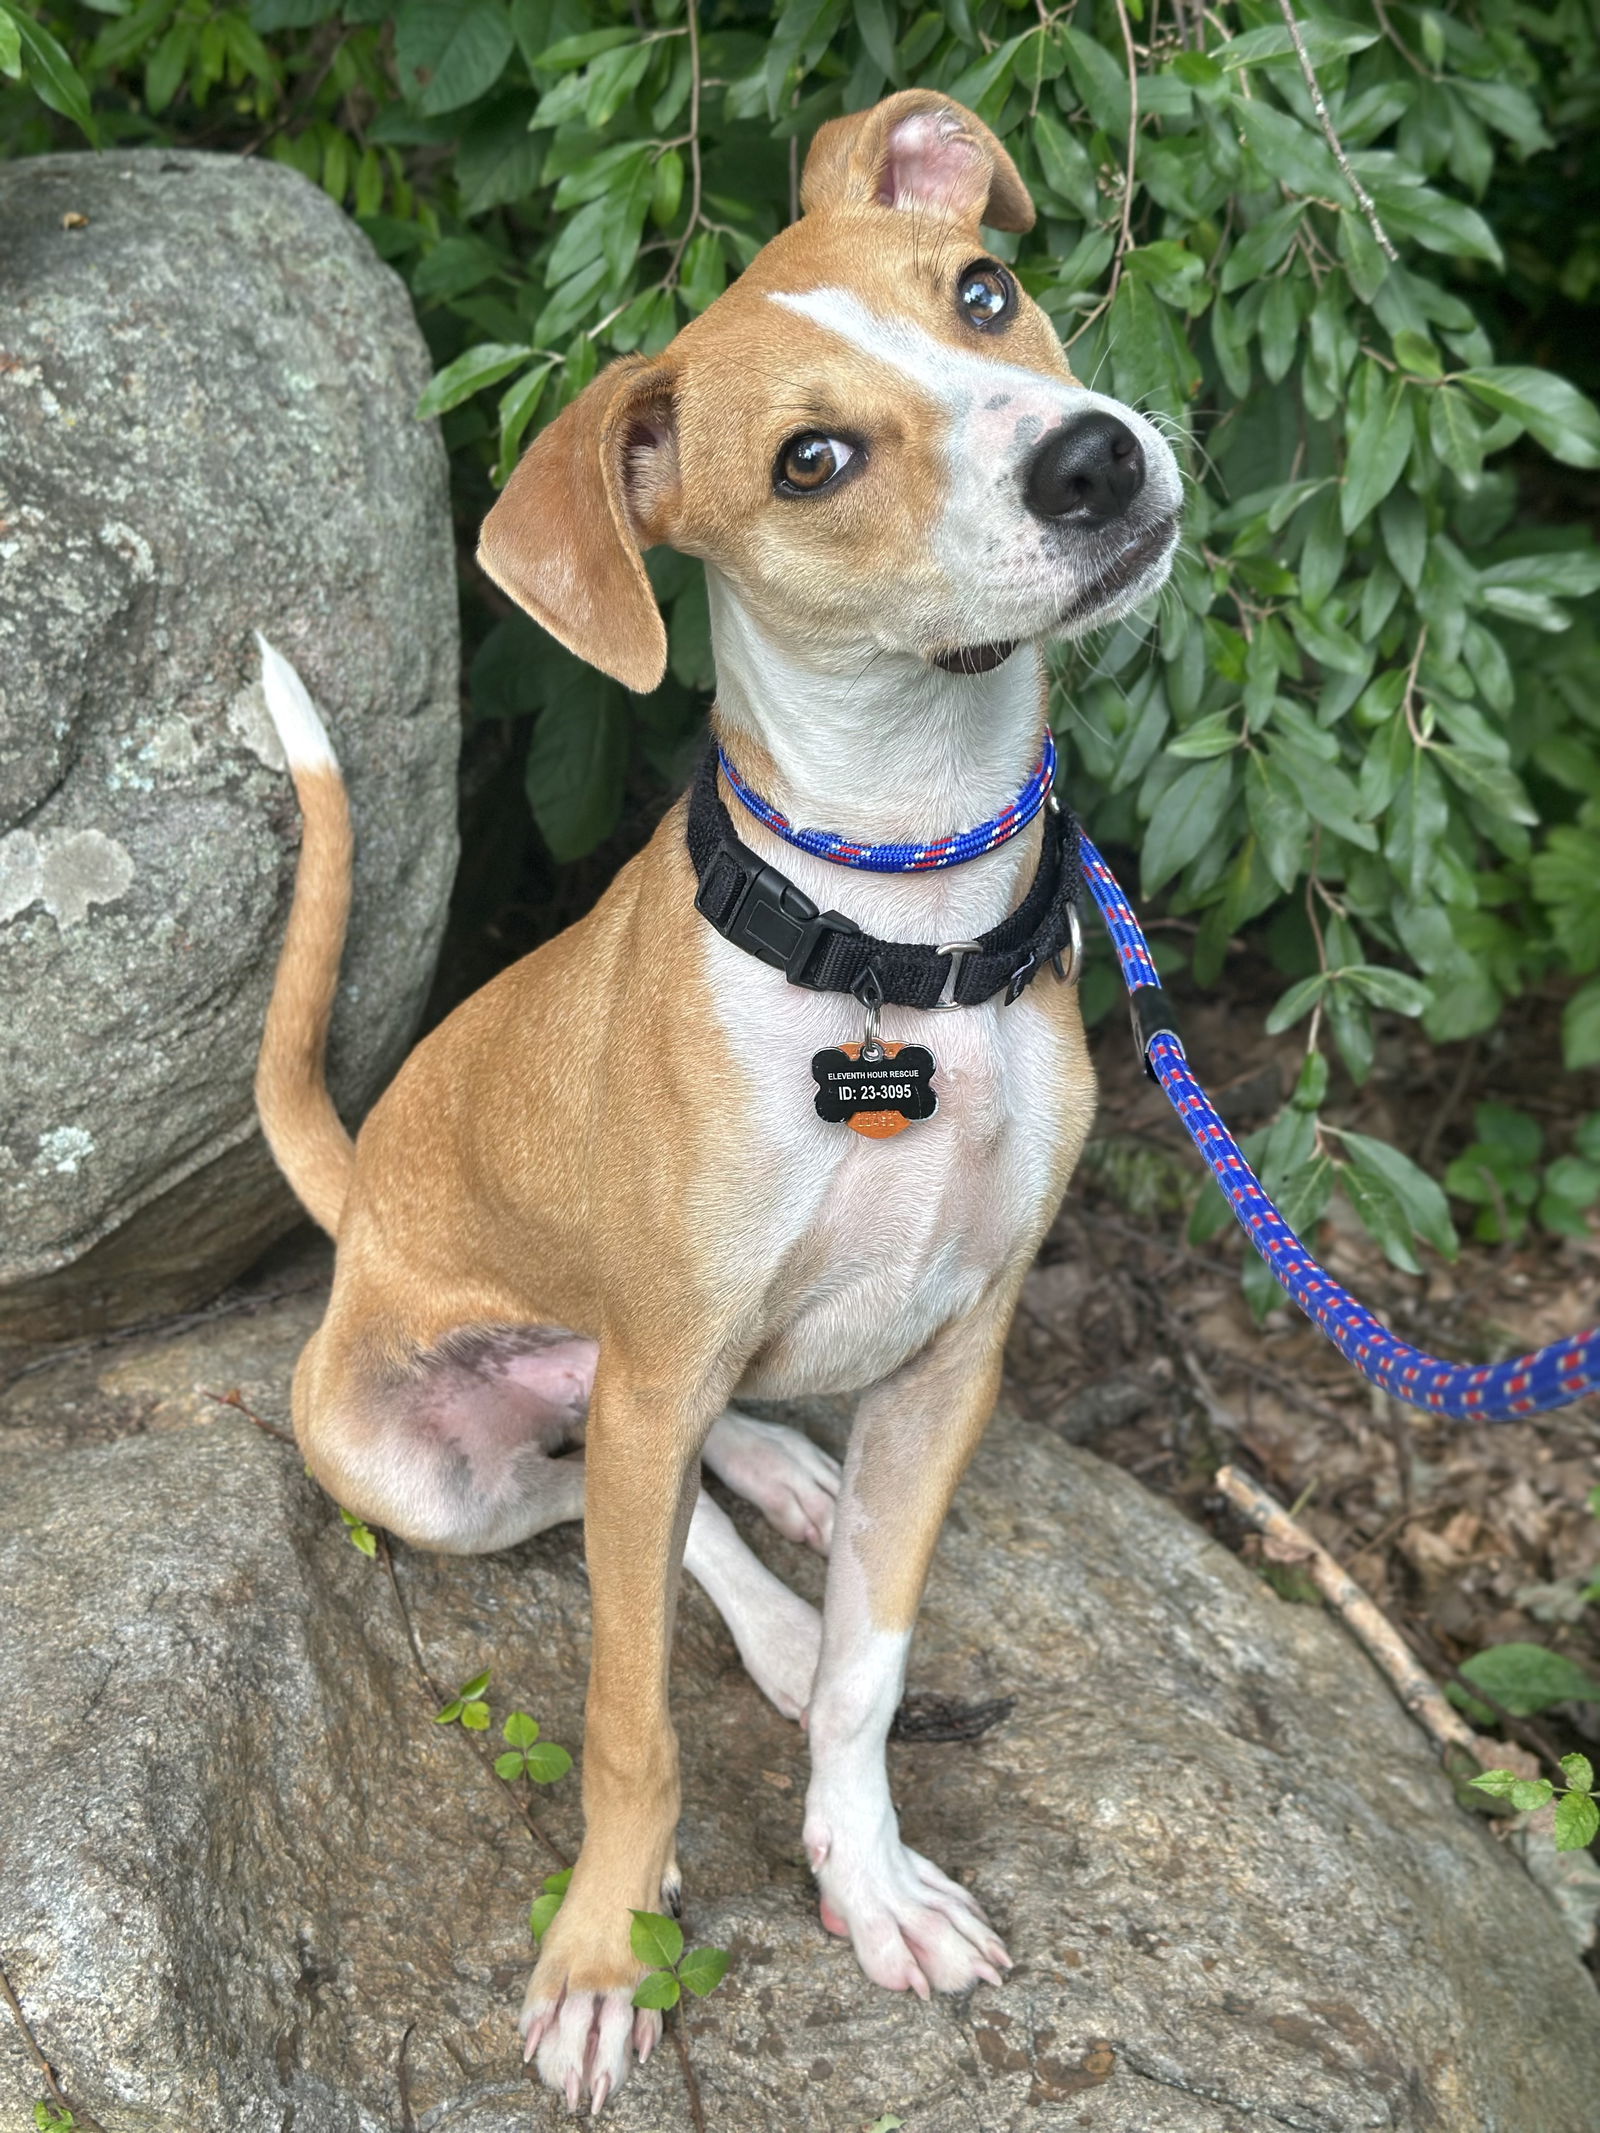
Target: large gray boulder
{"x": 247, "y": 1883}
{"x": 206, "y": 428}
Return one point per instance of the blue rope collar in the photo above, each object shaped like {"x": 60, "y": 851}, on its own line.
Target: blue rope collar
{"x": 905, "y": 858}
{"x": 1496, "y": 1392}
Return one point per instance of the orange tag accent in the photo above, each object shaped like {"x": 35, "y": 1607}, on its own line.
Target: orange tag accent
{"x": 875, "y": 1125}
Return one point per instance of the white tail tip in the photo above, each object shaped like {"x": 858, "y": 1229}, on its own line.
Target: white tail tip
{"x": 303, "y": 736}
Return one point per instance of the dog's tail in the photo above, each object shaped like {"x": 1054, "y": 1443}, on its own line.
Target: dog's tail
{"x": 303, "y": 1130}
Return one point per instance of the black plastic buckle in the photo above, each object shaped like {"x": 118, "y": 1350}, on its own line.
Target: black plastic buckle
{"x": 1152, "y": 1014}
{"x": 772, "y": 919}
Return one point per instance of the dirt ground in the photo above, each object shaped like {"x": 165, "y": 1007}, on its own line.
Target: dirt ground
{"x": 1132, "y": 1342}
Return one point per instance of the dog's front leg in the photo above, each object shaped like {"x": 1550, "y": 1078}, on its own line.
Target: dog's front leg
{"x": 910, "y": 1925}
{"x": 643, "y": 1450}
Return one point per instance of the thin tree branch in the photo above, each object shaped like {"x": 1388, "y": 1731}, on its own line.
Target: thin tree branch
{"x": 1319, "y": 105}
{"x": 30, "y": 2044}
{"x": 669, "y": 280}
{"x": 1365, "y": 1622}
{"x": 1125, "y": 237}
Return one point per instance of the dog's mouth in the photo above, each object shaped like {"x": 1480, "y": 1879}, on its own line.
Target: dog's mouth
{"x": 1121, "y": 575}
{"x": 975, "y": 658}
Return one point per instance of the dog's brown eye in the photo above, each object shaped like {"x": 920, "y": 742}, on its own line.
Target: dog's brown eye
{"x": 985, "y": 293}
{"x": 810, "y": 461}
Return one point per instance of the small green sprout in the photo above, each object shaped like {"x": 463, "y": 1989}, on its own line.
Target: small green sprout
{"x": 542, "y": 1761}
{"x": 888, "y": 2123}
{"x": 1577, "y": 1814}
{"x": 361, "y": 1534}
{"x": 546, "y": 1905}
{"x": 48, "y": 2119}
{"x": 468, "y": 1706}
{"x": 658, "y": 1941}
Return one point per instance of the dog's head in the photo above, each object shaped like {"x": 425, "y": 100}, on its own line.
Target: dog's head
{"x": 873, "y": 435}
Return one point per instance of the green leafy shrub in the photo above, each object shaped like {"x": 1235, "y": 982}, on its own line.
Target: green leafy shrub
{"x": 1363, "y": 719}
{"x": 1501, "y": 1175}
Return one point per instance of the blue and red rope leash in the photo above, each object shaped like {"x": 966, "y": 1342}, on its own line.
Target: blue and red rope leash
{"x": 1496, "y": 1392}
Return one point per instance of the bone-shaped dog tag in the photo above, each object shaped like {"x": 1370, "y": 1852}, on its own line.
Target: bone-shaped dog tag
{"x": 878, "y": 1095}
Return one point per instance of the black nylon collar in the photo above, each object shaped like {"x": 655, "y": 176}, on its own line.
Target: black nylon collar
{"x": 761, "y": 911}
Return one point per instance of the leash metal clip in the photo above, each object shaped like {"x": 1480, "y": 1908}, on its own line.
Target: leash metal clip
{"x": 957, "y": 951}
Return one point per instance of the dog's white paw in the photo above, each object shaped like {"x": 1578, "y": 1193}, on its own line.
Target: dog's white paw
{"x": 791, "y": 1481}
{"x": 913, "y": 1929}
{"x": 584, "y": 2043}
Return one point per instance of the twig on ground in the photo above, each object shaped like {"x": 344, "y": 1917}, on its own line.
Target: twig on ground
{"x": 680, "y": 2044}
{"x": 440, "y": 1697}
{"x": 47, "y": 2072}
{"x": 402, "y": 2083}
{"x": 1318, "y": 104}
{"x": 1371, "y": 1628}
{"x": 235, "y": 1399}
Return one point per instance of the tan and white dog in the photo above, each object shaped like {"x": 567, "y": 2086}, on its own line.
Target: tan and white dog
{"x": 597, "y": 1204}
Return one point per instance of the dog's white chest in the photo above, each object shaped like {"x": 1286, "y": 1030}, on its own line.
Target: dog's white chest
{"x": 870, "y": 1246}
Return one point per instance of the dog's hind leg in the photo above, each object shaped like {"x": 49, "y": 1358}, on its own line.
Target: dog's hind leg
{"x": 467, "y": 1451}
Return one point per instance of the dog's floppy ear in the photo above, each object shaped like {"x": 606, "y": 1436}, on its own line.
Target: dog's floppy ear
{"x": 917, "y": 150}
{"x": 589, "y": 494}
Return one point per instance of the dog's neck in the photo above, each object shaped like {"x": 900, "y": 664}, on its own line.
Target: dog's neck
{"x": 881, "y": 747}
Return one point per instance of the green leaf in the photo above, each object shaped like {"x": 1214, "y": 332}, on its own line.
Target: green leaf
{"x": 540, "y": 1913}
{"x": 1388, "y": 988}
{"x": 1296, "y": 1003}
{"x": 1381, "y": 1214}
{"x": 577, "y": 758}
{"x": 656, "y": 1940}
{"x": 1292, "y": 153}
{"x": 521, "y": 1730}
{"x": 659, "y": 1989}
{"x": 1207, "y": 737}
{"x": 1378, "y": 443}
{"x": 1524, "y": 1679}
{"x": 53, "y": 77}
{"x": 475, "y": 1717}
{"x": 1420, "y": 1198}
{"x": 1579, "y": 1772}
{"x": 1528, "y": 1795}
{"x": 558, "y": 1883}
{"x": 509, "y": 1765}
{"x": 361, "y": 1534}
{"x": 1067, "y": 169}
{"x": 1580, "y": 1028}
{"x": 547, "y": 1762}
{"x": 1186, "y": 816}
{"x": 703, "y": 1970}
{"x": 450, "y": 1713}
{"x": 1497, "y": 1783}
{"x": 476, "y": 1686}
{"x": 450, "y": 52}
{"x": 484, "y": 365}
{"x": 1100, "y": 80}
{"x": 1577, "y": 1822}
{"x": 1556, "y": 414}
{"x": 10, "y": 46}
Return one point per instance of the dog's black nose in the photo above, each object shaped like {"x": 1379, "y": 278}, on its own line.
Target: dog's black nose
{"x": 1088, "y": 472}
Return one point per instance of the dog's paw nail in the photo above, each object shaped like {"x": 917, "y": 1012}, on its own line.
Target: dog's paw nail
{"x": 574, "y": 2083}
{"x": 646, "y": 2034}
{"x": 602, "y": 2089}
{"x": 988, "y": 1973}
{"x": 920, "y": 1986}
